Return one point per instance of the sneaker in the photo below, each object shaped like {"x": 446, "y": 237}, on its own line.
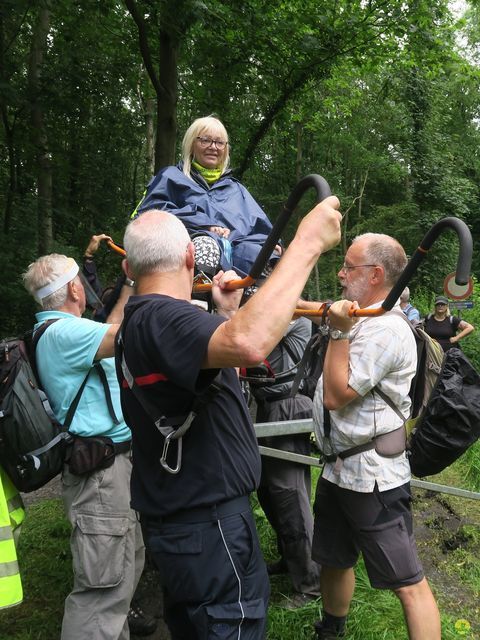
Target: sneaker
{"x": 139, "y": 622}
{"x": 326, "y": 634}
{"x": 207, "y": 254}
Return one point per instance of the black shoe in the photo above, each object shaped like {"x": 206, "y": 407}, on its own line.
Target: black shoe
{"x": 277, "y": 568}
{"x": 326, "y": 634}
{"x": 297, "y": 600}
{"x": 139, "y": 622}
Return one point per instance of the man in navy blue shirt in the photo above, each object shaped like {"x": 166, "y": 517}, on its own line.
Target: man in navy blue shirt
{"x": 193, "y": 492}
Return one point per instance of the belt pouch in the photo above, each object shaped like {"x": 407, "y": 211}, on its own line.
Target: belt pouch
{"x": 391, "y": 444}
{"x": 91, "y": 454}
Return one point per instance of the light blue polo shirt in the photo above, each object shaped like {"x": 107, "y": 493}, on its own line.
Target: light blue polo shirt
{"x": 64, "y": 355}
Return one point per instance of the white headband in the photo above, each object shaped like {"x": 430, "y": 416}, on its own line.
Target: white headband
{"x": 51, "y": 287}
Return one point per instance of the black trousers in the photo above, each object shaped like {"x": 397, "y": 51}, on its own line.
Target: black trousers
{"x": 212, "y": 571}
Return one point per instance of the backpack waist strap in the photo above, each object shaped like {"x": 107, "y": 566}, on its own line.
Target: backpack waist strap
{"x": 359, "y": 448}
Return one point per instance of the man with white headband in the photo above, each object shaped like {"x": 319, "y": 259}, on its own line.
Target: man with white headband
{"x": 106, "y": 543}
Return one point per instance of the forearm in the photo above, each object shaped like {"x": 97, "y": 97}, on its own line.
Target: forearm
{"x": 116, "y": 314}
{"x": 465, "y": 332}
{"x": 336, "y": 392}
{"x": 266, "y": 316}
{"x": 259, "y": 325}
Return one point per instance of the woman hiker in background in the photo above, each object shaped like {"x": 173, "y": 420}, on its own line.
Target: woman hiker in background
{"x": 444, "y": 327}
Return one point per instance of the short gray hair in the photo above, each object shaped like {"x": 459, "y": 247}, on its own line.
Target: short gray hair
{"x": 385, "y": 251}
{"x": 43, "y": 271}
{"x": 405, "y": 295}
{"x": 156, "y": 241}
{"x": 197, "y": 128}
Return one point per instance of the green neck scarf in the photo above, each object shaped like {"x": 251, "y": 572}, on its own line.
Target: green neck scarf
{"x": 209, "y": 175}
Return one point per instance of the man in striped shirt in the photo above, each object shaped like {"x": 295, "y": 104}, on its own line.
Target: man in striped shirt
{"x": 363, "y": 500}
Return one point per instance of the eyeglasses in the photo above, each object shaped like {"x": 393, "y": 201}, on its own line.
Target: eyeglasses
{"x": 347, "y": 267}
{"x": 208, "y": 142}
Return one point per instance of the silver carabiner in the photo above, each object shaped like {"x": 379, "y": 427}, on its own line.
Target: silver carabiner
{"x": 163, "y": 459}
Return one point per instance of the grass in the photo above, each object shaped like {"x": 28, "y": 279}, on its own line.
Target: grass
{"x": 45, "y": 562}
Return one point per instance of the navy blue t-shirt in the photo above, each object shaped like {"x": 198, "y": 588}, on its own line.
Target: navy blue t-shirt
{"x": 166, "y": 342}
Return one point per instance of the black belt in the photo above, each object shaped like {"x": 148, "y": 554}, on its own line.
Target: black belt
{"x": 122, "y": 447}
{"x": 211, "y": 513}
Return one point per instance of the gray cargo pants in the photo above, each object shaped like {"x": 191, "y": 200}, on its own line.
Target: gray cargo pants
{"x": 107, "y": 551}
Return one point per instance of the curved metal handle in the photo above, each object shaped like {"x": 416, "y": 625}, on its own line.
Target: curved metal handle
{"x": 464, "y": 263}
{"x": 323, "y": 191}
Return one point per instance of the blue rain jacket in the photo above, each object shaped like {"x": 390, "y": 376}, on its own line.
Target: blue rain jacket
{"x": 226, "y": 203}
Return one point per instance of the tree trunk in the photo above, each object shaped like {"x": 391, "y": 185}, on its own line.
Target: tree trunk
{"x": 39, "y": 134}
{"x": 150, "y": 135}
{"x": 167, "y": 105}
{"x": 164, "y": 83}
{"x": 299, "y": 158}
{"x": 9, "y": 131}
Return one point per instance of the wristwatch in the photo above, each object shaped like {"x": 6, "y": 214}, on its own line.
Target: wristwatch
{"x": 129, "y": 283}
{"x": 336, "y": 334}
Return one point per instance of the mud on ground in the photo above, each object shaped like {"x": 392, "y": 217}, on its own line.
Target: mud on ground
{"x": 444, "y": 526}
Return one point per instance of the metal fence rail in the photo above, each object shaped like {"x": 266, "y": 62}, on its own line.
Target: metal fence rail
{"x": 264, "y": 429}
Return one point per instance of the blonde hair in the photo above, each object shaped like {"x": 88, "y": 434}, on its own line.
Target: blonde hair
{"x": 205, "y": 125}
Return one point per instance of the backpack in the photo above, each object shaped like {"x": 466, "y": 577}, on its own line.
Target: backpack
{"x": 445, "y": 411}
{"x": 32, "y": 442}
{"x": 303, "y": 374}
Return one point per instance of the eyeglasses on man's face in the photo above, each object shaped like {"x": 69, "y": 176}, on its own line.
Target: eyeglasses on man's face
{"x": 350, "y": 267}
{"x": 208, "y": 142}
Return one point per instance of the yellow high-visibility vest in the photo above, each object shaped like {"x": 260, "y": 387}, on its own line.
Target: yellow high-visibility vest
{"x": 12, "y": 514}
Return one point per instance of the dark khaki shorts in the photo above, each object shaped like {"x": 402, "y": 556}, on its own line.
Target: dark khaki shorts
{"x": 378, "y": 525}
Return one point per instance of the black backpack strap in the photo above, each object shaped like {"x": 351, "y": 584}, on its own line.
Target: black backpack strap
{"x": 302, "y": 366}
{"x": 64, "y": 434}
{"x": 314, "y": 341}
{"x": 108, "y": 396}
{"x": 171, "y": 427}
{"x": 390, "y": 403}
{"x": 31, "y": 340}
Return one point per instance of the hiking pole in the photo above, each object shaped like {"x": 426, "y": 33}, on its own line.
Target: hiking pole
{"x": 323, "y": 191}
{"x": 464, "y": 262}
